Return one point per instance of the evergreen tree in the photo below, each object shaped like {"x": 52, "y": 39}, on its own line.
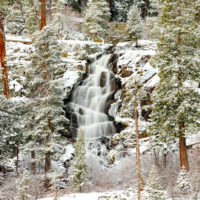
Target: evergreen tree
{"x": 154, "y": 7}
{"x": 143, "y": 6}
{"x": 45, "y": 117}
{"x": 79, "y": 5}
{"x": 175, "y": 109}
{"x": 152, "y": 189}
{"x": 183, "y": 182}
{"x": 79, "y": 177}
{"x": 122, "y": 8}
{"x": 31, "y": 9}
{"x": 23, "y": 187}
{"x": 10, "y": 129}
{"x": 134, "y": 26}
{"x": 97, "y": 17}
{"x": 58, "y": 18}
{"x": 163, "y": 145}
{"x": 15, "y": 20}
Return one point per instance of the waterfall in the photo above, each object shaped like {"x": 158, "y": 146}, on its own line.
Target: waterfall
{"x": 90, "y": 98}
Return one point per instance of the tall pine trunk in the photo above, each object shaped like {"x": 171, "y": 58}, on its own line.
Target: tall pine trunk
{"x": 138, "y": 165}
{"x": 47, "y": 156}
{"x": 43, "y": 14}
{"x": 182, "y": 141}
{"x": 183, "y": 150}
{"x": 2, "y": 58}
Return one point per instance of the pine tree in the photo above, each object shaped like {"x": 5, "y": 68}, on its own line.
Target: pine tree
{"x": 97, "y": 17}
{"x": 134, "y": 26}
{"x": 45, "y": 117}
{"x": 31, "y": 9}
{"x": 79, "y": 177}
{"x": 23, "y": 187}
{"x": 122, "y": 8}
{"x": 10, "y": 129}
{"x": 175, "y": 109}
{"x": 139, "y": 94}
{"x": 58, "y": 18}
{"x": 79, "y": 5}
{"x": 183, "y": 182}
{"x": 15, "y": 20}
{"x": 152, "y": 189}
{"x": 155, "y": 7}
{"x": 143, "y": 6}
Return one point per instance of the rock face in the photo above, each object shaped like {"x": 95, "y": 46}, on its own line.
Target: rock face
{"x": 122, "y": 65}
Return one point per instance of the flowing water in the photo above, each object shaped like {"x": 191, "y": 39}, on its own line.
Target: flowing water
{"x": 90, "y": 98}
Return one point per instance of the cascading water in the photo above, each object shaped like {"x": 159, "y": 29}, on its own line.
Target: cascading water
{"x": 90, "y": 98}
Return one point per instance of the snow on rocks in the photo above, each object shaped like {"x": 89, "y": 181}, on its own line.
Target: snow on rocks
{"x": 70, "y": 78}
{"x": 18, "y": 38}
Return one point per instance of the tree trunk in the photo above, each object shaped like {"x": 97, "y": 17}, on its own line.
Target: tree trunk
{"x": 138, "y": 165}
{"x": 182, "y": 142}
{"x": 183, "y": 150}
{"x": 43, "y": 14}
{"x": 136, "y": 43}
{"x": 47, "y": 156}
{"x": 17, "y": 161}
{"x": 33, "y": 164}
{"x": 2, "y": 58}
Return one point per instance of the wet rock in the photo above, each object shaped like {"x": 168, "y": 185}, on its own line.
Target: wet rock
{"x": 113, "y": 63}
{"x": 125, "y": 71}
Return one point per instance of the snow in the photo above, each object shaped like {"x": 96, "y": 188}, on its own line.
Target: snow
{"x": 88, "y": 42}
{"x": 152, "y": 82}
{"x": 70, "y": 78}
{"x": 69, "y": 150}
{"x": 111, "y": 195}
{"x": 19, "y": 99}
{"x": 18, "y": 38}
{"x": 192, "y": 139}
{"x": 15, "y": 85}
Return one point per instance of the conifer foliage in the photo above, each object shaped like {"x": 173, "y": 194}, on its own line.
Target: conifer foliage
{"x": 10, "y": 129}
{"x": 152, "y": 189}
{"x": 23, "y": 187}
{"x": 45, "y": 121}
{"x": 15, "y": 20}
{"x": 79, "y": 177}
{"x": 31, "y": 9}
{"x": 97, "y": 17}
{"x": 176, "y": 99}
{"x": 134, "y": 26}
{"x": 183, "y": 182}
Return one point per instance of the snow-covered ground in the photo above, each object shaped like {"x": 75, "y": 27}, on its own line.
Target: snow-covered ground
{"x": 112, "y": 195}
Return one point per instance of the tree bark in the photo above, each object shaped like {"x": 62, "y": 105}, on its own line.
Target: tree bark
{"x": 43, "y": 14}
{"x": 183, "y": 150}
{"x": 2, "y": 58}
{"x": 47, "y": 156}
{"x": 17, "y": 161}
{"x": 138, "y": 165}
{"x": 33, "y": 164}
{"x": 136, "y": 43}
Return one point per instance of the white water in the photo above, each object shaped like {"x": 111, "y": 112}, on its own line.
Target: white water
{"x": 89, "y": 101}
